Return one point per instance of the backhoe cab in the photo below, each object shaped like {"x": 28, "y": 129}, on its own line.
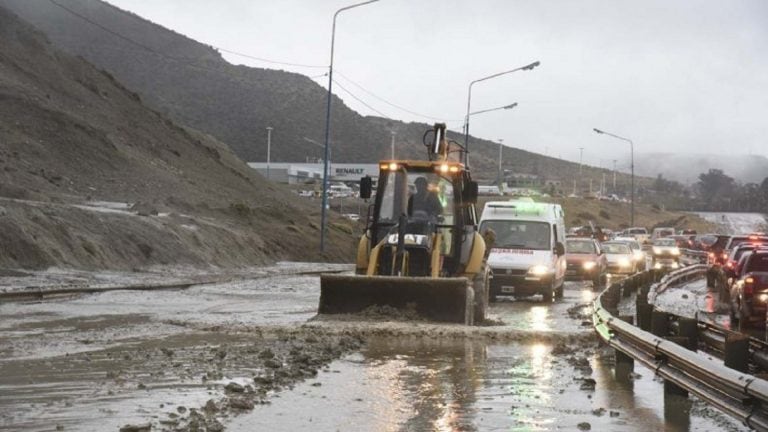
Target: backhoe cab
{"x": 421, "y": 248}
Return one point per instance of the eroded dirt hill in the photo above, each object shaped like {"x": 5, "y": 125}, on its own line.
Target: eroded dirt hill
{"x": 90, "y": 177}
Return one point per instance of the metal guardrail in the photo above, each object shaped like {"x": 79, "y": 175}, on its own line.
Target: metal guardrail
{"x": 738, "y": 394}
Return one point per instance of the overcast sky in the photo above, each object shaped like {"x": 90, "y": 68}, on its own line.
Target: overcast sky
{"x": 674, "y": 76}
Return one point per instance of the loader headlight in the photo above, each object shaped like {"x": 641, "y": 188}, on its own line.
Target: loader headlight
{"x": 538, "y": 270}
{"x": 656, "y": 251}
{"x": 624, "y": 262}
{"x": 589, "y": 265}
{"x": 639, "y": 255}
{"x": 675, "y": 251}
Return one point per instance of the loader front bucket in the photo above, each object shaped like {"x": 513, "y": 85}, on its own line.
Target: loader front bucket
{"x": 437, "y": 299}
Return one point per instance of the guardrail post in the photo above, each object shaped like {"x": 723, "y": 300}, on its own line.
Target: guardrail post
{"x": 624, "y": 363}
{"x": 689, "y": 328}
{"x": 626, "y": 292}
{"x": 644, "y": 312}
{"x": 660, "y": 323}
{"x": 671, "y": 388}
{"x": 736, "y": 355}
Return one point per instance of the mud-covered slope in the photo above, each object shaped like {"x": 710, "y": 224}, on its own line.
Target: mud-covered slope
{"x": 71, "y": 136}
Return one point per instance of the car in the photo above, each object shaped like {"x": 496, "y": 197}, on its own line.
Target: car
{"x": 739, "y": 239}
{"x": 619, "y": 257}
{"x": 638, "y": 255}
{"x": 352, "y": 216}
{"x": 731, "y": 269}
{"x": 749, "y": 293}
{"x": 683, "y": 242}
{"x": 585, "y": 260}
{"x": 661, "y": 232}
{"x": 639, "y": 233}
{"x": 665, "y": 254}
{"x": 714, "y": 244}
{"x": 687, "y": 231}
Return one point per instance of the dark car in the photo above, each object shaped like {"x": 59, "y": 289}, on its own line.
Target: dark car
{"x": 749, "y": 294}
{"x": 683, "y": 241}
{"x": 585, "y": 260}
{"x": 731, "y": 269}
{"x": 740, "y": 239}
{"x": 714, "y": 245}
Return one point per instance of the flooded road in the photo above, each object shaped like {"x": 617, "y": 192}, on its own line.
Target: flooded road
{"x": 248, "y": 355}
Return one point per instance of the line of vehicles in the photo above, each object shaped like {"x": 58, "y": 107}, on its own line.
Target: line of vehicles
{"x": 739, "y": 274}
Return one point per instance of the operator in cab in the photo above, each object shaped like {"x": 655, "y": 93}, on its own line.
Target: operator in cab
{"x": 424, "y": 201}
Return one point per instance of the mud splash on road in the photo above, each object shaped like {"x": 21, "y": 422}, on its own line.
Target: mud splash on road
{"x": 183, "y": 382}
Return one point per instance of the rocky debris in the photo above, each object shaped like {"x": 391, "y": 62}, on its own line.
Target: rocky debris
{"x": 598, "y": 412}
{"x": 144, "y": 427}
{"x": 587, "y": 384}
{"x": 580, "y": 311}
{"x": 585, "y": 426}
{"x": 241, "y": 403}
{"x": 234, "y": 387}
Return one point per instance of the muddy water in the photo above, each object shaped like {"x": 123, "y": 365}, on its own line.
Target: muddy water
{"x": 96, "y": 362}
{"x": 418, "y": 385}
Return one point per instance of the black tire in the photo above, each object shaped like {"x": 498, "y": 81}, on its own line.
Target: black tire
{"x": 732, "y": 317}
{"x": 481, "y": 287}
{"x": 548, "y": 295}
{"x": 596, "y": 281}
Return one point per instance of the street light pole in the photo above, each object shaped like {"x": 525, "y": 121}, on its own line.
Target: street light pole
{"x": 469, "y": 103}
{"x": 581, "y": 158}
{"x": 632, "y": 169}
{"x": 614, "y": 176}
{"x": 393, "y": 145}
{"x": 269, "y": 147}
{"x": 328, "y": 121}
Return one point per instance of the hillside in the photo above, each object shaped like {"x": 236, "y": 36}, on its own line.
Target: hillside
{"x": 92, "y": 178}
{"x": 685, "y": 168}
{"x": 191, "y": 83}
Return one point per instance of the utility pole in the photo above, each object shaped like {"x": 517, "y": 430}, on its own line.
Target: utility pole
{"x": 614, "y": 176}
{"x": 500, "y": 172}
{"x": 269, "y": 147}
{"x": 581, "y": 158}
{"x": 392, "y": 145}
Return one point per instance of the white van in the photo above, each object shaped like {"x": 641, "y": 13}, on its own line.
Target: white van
{"x": 527, "y": 255}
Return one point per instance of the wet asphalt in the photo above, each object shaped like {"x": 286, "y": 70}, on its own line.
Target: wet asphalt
{"x": 93, "y": 363}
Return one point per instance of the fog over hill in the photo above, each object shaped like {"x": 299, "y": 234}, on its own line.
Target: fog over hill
{"x": 686, "y": 168}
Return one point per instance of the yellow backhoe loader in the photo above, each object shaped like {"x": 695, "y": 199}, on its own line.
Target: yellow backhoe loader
{"x": 421, "y": 248}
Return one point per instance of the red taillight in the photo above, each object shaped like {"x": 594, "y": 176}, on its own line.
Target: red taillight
{"x": 749, "y": 285}
{"x": 711, "y": 254}
{"x": 730, "y": 264}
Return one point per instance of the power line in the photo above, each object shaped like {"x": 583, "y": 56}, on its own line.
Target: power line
{"x": 392, "y": 104}
{"x": 362, "y": 101}
{"x": 268, "y": 60}
{"x": 131, "y": 41}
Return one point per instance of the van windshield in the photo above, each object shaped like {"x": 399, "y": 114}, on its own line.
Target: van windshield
{"x": 517, "y": 234}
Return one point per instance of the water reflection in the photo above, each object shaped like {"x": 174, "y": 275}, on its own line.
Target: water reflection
{"x": 538, "y": 318}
